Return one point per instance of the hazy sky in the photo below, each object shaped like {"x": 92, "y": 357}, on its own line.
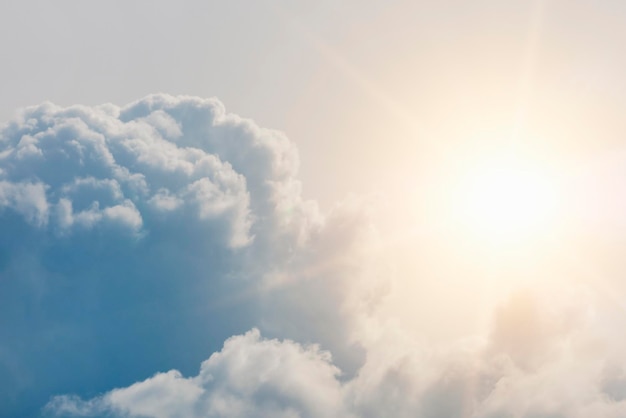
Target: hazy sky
{"x": 370, "y": 82}
{"x": 312, "y": 209}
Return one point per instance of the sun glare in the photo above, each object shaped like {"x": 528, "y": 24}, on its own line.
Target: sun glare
{"x": 506, "y": 199}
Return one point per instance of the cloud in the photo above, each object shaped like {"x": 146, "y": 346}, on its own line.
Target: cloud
{"x": 26, "y": 198}
{"x": 137, "y": 239}
{"x": 250, "y": 376}
{"x": 165, "y": 223}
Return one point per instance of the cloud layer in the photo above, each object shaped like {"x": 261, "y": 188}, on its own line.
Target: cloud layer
{"x": 554, "y": 373}
{"x": 137, "y": 239}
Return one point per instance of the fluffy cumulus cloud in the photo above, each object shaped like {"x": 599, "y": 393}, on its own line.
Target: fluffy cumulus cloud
{"x": 555, "y": 372}
{"x": 249, "y": 377}
{"x": 138, "y": 240}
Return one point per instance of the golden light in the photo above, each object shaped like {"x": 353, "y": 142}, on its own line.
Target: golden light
{"x": 505, "y": 199}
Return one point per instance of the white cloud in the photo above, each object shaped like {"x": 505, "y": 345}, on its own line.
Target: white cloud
{"x": 167, "y": 216}
{"x": 106, "y": 168}
{"x": 26, "y": 198}
{"x": 560, "y": 374}
{"x": 164, "y": 201}
{"x": 138, "y": 237}
{"x": 249, "y": 377}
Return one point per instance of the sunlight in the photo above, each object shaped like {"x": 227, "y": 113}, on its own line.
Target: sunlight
{"x": 505, "y": 199}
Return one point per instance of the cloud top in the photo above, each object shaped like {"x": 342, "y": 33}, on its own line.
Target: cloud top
{"x": 87, "y": 167}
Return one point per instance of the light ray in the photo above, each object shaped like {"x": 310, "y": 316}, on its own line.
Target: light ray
{"x": 339, "y": 62}
{"x": 529, "y": 63}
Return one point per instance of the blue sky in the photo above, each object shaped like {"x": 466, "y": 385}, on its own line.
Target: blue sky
{"x": 312, "y": 209}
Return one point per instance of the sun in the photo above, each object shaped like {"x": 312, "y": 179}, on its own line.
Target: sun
{"x": 506, "y": 199}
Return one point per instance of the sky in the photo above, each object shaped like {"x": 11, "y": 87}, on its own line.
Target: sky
{"x": 312, "y": 209}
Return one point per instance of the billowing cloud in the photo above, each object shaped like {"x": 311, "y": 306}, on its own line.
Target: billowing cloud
{"x": 140, "y": 239}
{"x": 249, "y": 377}
{"x": 166, "y": 223}
{"x": 558, "y": 374}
